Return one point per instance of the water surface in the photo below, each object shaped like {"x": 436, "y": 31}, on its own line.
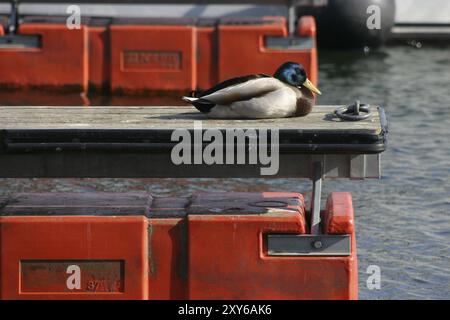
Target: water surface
{"x": 403, "y": 220}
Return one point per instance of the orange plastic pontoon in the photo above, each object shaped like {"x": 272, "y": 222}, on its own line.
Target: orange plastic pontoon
{"x": 150, "y": 55}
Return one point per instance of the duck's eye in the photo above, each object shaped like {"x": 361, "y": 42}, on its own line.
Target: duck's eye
{"x": 294, "y": 78}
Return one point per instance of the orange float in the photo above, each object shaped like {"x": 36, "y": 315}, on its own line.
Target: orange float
{"x": 59, "y": 61}
{"x": 163, "y": 56}
{"x": 133, "y": 246}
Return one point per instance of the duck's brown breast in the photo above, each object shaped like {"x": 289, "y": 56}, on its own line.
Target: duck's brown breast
{"x": 305, "y": 102}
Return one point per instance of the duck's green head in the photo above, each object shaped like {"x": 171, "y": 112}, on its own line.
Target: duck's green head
{"x": 294, "y": 74}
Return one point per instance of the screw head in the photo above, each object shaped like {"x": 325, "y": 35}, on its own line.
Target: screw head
{"x": 317, "y": 244}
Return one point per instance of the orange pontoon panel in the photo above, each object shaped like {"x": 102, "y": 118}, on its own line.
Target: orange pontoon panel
{"x": 133, "y": 246}
{"x": 61, "y": 60}
{"x": 243, "y": 49}
{"x": 74, "y": 246}
{"x": 240, "y": 267}
{"x": 151, "y": 56}
{"x": 37, "y": 253}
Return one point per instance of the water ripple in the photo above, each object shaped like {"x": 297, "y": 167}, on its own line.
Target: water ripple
{"x": 403, "y": 220}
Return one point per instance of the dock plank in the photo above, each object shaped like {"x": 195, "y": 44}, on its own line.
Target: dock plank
{"x": 135, "y": 142}
{"x": 169, "y": 118}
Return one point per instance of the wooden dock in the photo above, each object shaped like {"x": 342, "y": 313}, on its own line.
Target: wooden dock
{"x": 136, "y": 142}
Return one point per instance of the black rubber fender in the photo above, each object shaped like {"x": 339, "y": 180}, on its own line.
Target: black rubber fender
{"x": 343, "y": 23}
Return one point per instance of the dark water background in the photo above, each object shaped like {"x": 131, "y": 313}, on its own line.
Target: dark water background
{"x": 403, "y": 220}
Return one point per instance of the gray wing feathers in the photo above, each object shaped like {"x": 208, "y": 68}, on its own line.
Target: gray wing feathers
{"x": 244, "y": 91}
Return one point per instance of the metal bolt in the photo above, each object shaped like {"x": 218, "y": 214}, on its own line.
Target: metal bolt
{"x": 317, "y": 244}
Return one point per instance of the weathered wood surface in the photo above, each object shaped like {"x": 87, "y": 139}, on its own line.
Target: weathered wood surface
{"x": 135, "y": 142}
{"x": 169, "y": 118}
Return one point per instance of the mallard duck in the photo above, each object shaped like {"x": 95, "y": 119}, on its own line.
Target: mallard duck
{"x": 289, "y": 93}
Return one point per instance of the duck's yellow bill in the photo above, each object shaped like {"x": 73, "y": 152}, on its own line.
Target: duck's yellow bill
{"x": 308, "y": 84}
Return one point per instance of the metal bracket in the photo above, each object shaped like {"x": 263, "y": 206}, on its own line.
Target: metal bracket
{"x": 13, "y": 20}
{"x": 289, "y": 43}
{"x": 291, "y": 17}
{"x": 14, "y": 40}
{"x": 316, "y": 197}
{"x": 314, "y": 244}
{"x": 308, "y": 245}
